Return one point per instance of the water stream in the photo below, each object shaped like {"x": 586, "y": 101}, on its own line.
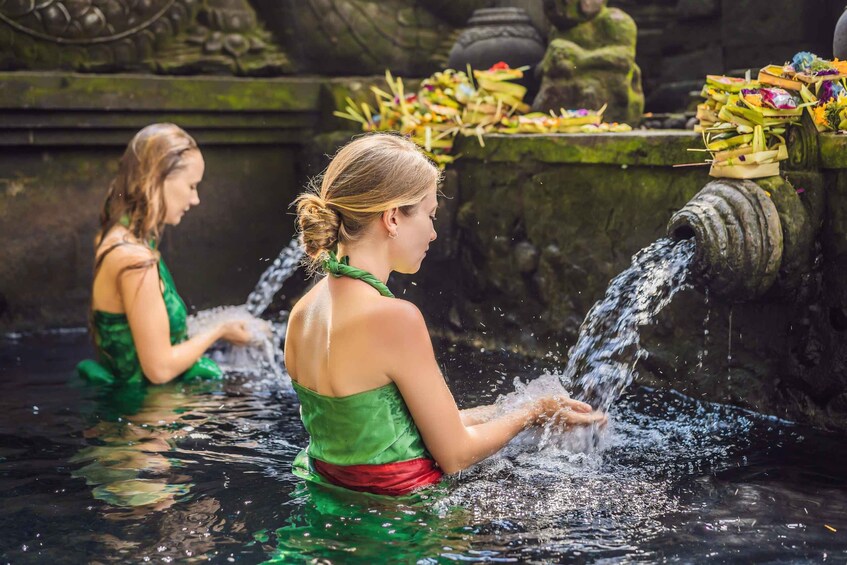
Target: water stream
{"x": 602, "y": 362}
{"x": 273, "y": 278}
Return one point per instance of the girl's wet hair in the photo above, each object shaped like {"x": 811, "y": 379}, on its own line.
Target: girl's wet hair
{"x": 368, "y": 176}
{"x": 136, "y": 196}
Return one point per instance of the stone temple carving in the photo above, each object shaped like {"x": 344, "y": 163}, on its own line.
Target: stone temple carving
{"x": 411, "y": 37}
{"x": 68, "y": 22}
{"x": 589, "y": 62}
{"x": 336, "y": 37}
{"x": 148, "y": 35}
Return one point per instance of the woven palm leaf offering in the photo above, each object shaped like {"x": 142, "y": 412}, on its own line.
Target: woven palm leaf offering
{"x": 566, "y": 121}
{"x": 823, "y": 86}
{"x": 451, "y": 103}
{"x": 717, "y": 91}
{"x": 805, "y": 69}
{"x": 744, "y": 123}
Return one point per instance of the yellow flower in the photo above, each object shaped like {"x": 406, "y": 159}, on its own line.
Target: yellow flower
{"x": 820, "y": 116}
{"x": 840, "y": 66}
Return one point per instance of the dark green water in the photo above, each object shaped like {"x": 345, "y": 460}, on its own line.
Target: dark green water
{"x": 185, "y": 473}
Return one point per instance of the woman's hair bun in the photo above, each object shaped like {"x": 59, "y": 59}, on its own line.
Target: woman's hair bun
{"x": 371, "y": 174}
{"x": 318, "y": 224}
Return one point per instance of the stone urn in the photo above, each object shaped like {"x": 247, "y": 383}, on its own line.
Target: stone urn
{"x": 499, "y": 34}
{"x": 839, "y": 40}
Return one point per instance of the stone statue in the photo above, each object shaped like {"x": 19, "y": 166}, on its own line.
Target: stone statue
{"x": 590, "y": 61}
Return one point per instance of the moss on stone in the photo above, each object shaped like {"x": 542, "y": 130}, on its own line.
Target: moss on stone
{"x": 797, "y": 233}
{"x": 139, "y": 92}
{"x": 835, "y": 225}
{"x": 592, "y": 64}
{"x": 611, "y": 27}
{"x": 585, "y": 221}
{"x": 654, "y": 148}
{"x": 833, "y": 151}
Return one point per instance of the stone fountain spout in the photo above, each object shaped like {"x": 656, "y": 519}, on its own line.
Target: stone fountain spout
{"x": 752, "y": 238}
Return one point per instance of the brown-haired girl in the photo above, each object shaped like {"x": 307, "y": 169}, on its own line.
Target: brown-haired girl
{"x": 138, "y": 319}
{"x": 378, "y": 411}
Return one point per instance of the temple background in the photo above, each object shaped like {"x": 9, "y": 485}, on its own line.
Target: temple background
{"x": 257, "y": 83}
{"x": 534, "y": 229}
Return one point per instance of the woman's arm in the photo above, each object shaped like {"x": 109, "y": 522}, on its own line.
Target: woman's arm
{"x": 477, "y": 414}
{"x": 454, "y": 444}
{"x": 148, "y": 321}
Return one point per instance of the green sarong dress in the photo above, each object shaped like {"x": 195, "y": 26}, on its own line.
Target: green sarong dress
{"x": 118, "y": 359}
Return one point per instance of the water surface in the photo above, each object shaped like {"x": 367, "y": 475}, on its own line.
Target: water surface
{"x": 201, "y": 472}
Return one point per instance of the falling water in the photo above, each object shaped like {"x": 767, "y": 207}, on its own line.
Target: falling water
{"x": 271, "y": 280}
{"x": 602, "y": 362}
{"x": 264, "y": 354}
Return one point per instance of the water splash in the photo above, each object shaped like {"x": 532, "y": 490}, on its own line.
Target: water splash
{"x": 602, "y": 362}
{"x": 552, "y": 436}
{"x": 264, "y": 355}
{"x": 272, "y": 279}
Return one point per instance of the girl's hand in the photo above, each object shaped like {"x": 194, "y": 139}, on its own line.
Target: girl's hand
{"x": 236, "y": 333}
{"x": 565, "y": 412}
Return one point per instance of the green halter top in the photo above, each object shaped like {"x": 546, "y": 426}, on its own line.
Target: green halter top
{"x": 367, "y": 428}
{"x": 341, "y": 268}
{"x": 118, "y": 358}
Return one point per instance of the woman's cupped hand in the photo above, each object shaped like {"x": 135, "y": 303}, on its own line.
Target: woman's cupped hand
{"x": 565, "y": 412}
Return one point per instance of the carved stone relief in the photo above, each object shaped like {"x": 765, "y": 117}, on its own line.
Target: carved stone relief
{"x": 152, "y": 35}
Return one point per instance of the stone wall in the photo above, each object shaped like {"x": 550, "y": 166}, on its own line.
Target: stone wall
{"x": 680, "y": 41}
{"x": 61, "y": 138}
{"x": 534, "y": 228}
{"x": 538, "y": 225}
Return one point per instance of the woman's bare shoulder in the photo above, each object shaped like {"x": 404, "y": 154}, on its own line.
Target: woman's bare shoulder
{"x": 400, "y": 321}
{"x": 118, "y": 251}
{"x": 406, "y": 343}
{"x": 306, "y": 303}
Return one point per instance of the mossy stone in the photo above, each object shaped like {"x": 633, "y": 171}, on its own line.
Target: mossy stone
{"x": 611, "y": 27}
{"x": 591, "y": 65}
{"x": 566, "y": 13}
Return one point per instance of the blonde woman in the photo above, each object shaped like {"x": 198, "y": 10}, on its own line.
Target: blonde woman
{"x": 378, "y": 411}
{"x": 138, "y": 319}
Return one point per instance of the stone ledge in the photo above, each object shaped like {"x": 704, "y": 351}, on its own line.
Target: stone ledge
{"x": 641, "y": 147}
{"x": 118, "y": 137}
{"x": 67, "y": 109}
{"x": 74, "y": 91}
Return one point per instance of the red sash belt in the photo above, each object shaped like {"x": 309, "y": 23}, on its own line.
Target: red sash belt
{"x": 393, "y": 479}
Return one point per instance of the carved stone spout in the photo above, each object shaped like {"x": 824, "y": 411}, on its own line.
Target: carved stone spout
{"x": 750, "y": 236}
